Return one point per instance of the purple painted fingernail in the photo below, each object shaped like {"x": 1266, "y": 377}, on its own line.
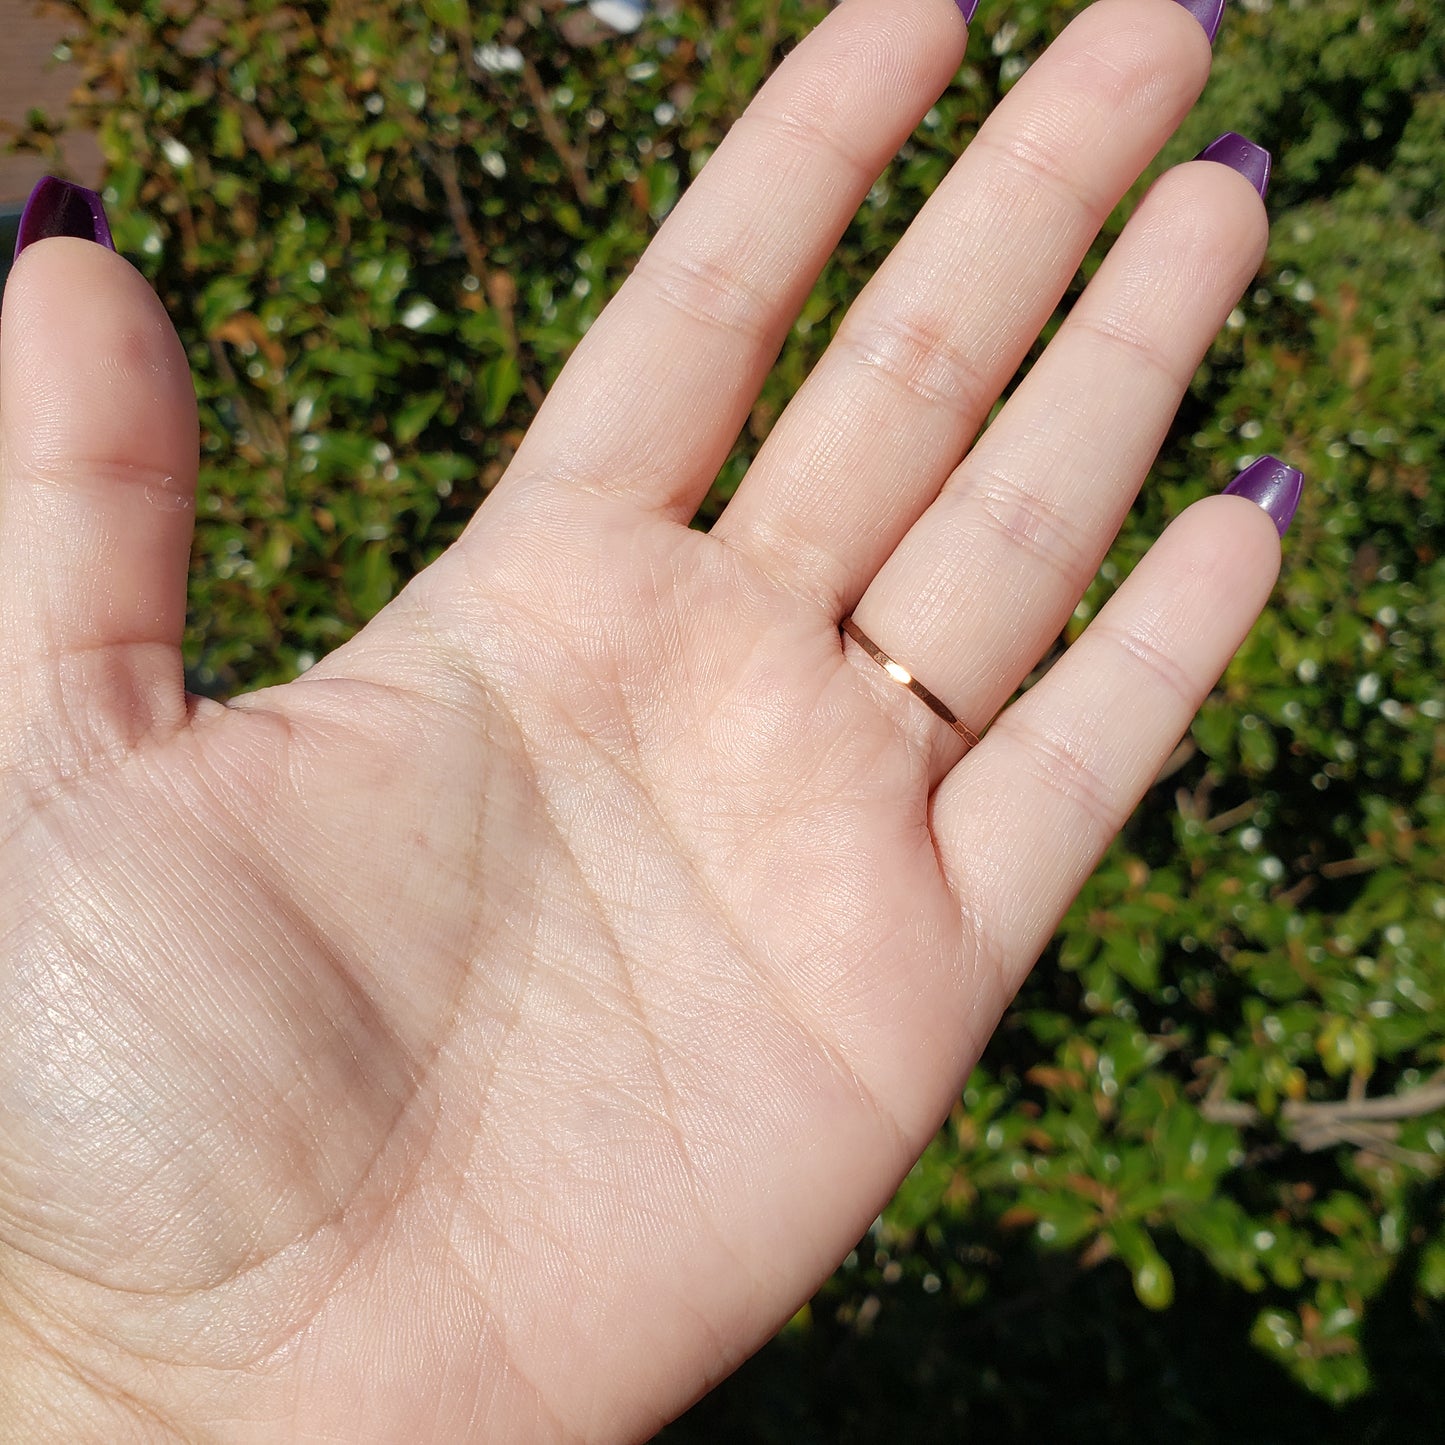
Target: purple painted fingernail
{"x": 61, "y": 208}
{"x": 1272, "y": 484}
{"x": 1253, "y": 162}
{"x": 968, "y": 7}
{"x": 1208, "y": 13}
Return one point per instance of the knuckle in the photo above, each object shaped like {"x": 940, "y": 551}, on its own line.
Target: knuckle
{"x": 1038, "y": 158}
{"x": 812, "y": 130}
{"x": 915, "y": 352}
{"x": 1118, "y": 333}
{"x": 1116, "y": 62}
{"x": 709, "y": 292}
{"x": 1132, "y": 52}
{"x": 1154, "y": 665}
{"x": 1027, "y": 522}
{"x": 1063, "y": 769}
{"x": 107, "y": 474}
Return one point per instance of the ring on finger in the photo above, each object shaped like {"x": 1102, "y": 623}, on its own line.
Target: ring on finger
{"x": 902, "y": 675}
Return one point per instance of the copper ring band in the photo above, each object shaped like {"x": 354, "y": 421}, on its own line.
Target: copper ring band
{"x": 901, "y": 674}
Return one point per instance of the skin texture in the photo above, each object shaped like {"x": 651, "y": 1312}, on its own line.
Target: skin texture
{"x": 495, "y": 1034}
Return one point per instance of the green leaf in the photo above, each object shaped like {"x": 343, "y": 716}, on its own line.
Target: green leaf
{"x": 411, "y": 419}
{"x": 1153, "y": 1279}
{"x": 449, "y": 14}
{"x": 501, "y": 379}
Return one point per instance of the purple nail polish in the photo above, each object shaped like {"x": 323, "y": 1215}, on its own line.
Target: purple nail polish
{"x": 1272, "y": 484}
{"x": 61, "y": 208}
{"x": 968, "y": 7}
{"x": 1208, "y": 13}
{"x": 1253, "y": 162}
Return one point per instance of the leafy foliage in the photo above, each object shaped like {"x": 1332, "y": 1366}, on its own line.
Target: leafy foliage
{"x": 1195, "y": 1184}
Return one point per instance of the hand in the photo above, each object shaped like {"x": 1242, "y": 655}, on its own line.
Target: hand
{"x": 496, "y": 1033}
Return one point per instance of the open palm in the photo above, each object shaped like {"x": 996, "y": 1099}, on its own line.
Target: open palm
{"x": 496, "y": 1033}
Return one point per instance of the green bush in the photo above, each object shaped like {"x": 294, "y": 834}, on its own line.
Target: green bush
{"x": 1194, "y": 1188}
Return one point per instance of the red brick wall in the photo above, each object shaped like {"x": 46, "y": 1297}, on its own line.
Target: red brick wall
{"x": 29, "y": 77}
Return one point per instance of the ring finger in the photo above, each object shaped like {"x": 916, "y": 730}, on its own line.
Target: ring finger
{"x": 1030, "y": 513}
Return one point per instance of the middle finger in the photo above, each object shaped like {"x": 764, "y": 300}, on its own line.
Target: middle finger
{"x": 887, "y": 414}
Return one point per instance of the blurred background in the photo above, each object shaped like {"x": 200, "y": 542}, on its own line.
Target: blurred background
{"x": 1194, "y": 1190}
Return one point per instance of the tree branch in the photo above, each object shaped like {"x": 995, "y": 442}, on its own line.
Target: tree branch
{"x": 1362, "y": 1123}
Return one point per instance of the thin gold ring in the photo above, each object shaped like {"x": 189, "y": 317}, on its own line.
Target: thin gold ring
{"x": 901, "y": 674}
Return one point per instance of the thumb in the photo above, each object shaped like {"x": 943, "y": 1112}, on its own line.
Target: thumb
{"x": 98, "y": 455}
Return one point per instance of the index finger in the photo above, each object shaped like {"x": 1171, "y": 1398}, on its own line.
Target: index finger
{"x": 655, "y": 395}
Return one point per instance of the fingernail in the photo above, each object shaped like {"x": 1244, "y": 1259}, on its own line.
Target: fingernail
{"x": 61, "y": 208}
{"x": 968, "y": 7}
{"x": 1273, "y": 485}
{"x": 1208, "y": 13}
{"x": 1253, "y": 162}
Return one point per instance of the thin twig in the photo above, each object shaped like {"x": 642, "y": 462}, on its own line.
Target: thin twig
{"x": 1407, "y": 1105}
{"x": 571, "y": 158}
{"x": 1362, "y": 1123}
{"x": 1222, "y": 822}
{"x": 1348, "y": 868}
{"x": 502, "y": 296}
